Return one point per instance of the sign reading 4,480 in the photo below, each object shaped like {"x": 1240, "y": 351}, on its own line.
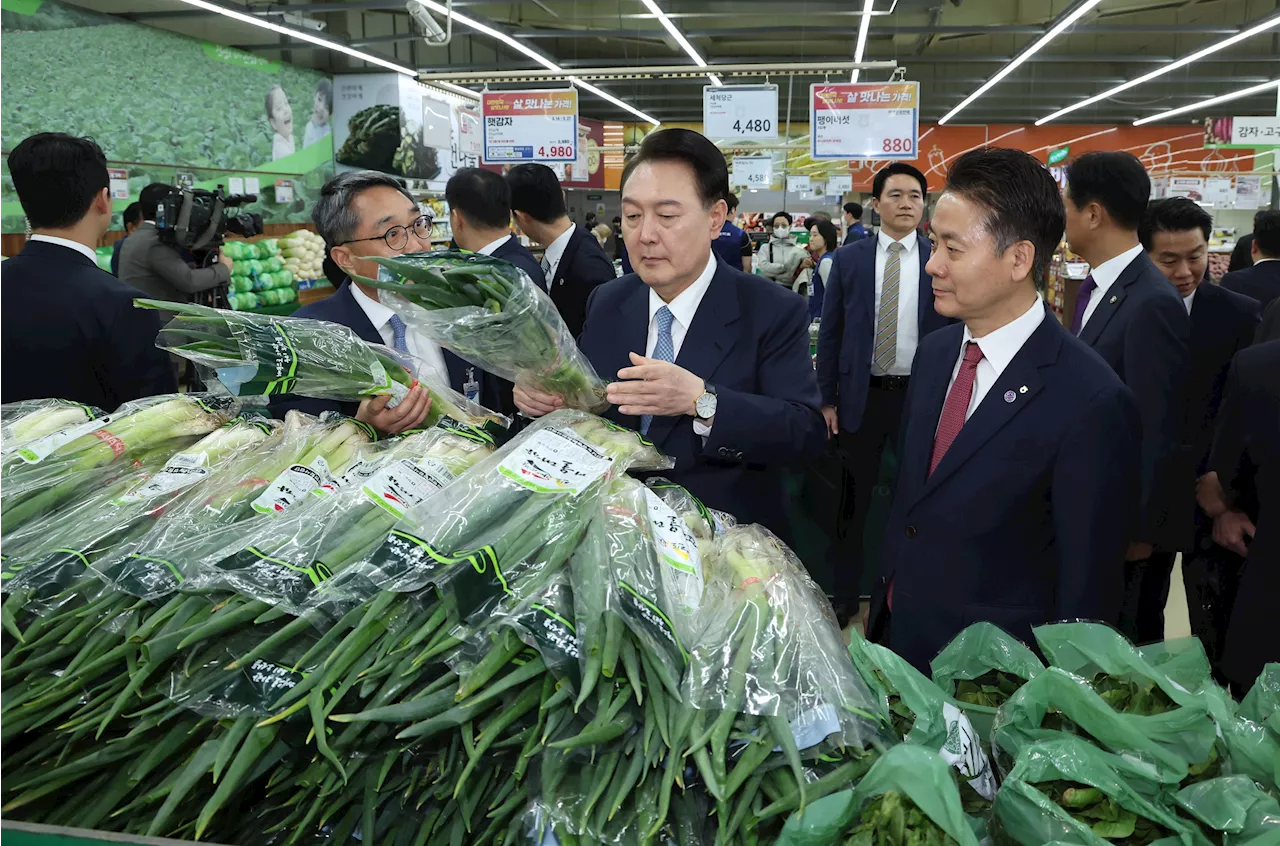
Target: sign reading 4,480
{"x": 869, "y": 120}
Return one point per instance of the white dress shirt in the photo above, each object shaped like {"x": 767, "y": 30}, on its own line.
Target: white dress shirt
{"x": 1104, "y": 276}
{"x": 487, "y": 249}
{"x": 1189, "y": 299}
{"x": 682, "y": 308}
{"x": 70, "y": 245}
{"x": 554, "y": 252}
{"x": 428, "y": 354}
{"x": 908, "y": 301}
{"x": 998, "y": 349}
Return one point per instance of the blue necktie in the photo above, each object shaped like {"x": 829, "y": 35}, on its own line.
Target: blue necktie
{"x": 398, "y": 330}
{"x": 664, "y": 350}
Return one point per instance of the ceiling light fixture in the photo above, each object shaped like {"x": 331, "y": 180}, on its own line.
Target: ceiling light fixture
{"x": 863, "y": 26}
{"x": 485, "y": 29}
{"x": 1066, "y": 21}
{"x": 675, "y": 33}
{"x": 302, "y": 36}
{"x": 1212, "y": 101}
{"x": 1270, "y": 23}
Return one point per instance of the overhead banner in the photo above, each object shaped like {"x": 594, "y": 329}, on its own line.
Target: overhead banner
{"x": 530, "y": 126}
{"x": 740, "y": 111}
{"x": 1249, "y": 132}
{"x": 752, "y": 171}
{"x": 864, "y": 120}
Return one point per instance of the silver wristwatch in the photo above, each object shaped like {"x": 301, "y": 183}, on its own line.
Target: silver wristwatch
{"x": 705, "y": 406}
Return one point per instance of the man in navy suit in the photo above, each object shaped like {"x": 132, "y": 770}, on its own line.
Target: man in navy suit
{"x": 1262, "y": 280}
{"x": 480, "y": 214}
{"x": 854, "y": 231}
{"x": 573, "y": 261}
{"x": 878, "y": 306}
{"x": 1175, "y": 234}
{"x": 1132, "y": 317}
{"x": 713, "y": 364}
{"x": 1017, "y": 489}
{"x": 365, "y": 213}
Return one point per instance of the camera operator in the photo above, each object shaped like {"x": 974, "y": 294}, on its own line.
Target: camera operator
{"x": 70, "y": 330}
{"x": 160, "y": 270}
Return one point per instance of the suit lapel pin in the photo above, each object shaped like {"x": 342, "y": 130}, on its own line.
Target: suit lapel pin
{"x": 1022, "y": 390}
{"x": 1113, "y": 299}
{"x": 1010, "y": 396}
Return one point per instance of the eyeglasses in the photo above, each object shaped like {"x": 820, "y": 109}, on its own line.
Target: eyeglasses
{"x": 397, "y": 237}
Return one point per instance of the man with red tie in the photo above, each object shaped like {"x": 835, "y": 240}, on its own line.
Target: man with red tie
{"x": 1018, "y": 486}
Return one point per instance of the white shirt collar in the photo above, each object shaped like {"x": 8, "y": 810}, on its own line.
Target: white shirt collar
{"x": 555, "y": 250}
{"x": 686, "y": 303}
{"x": 1190, "y": 299}
{"x": 377, "y": 313}
{"x": 1000, "y": 346}
{"x": 488, "y": 249}
{"x": 883, "y": 240}
{"x": 70, "y": 245}
{"x": 1261, "y": 260}
{"x": 1106, "y": 274}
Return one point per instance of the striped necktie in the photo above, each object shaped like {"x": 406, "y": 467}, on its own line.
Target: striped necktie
{"x": 886, "y": 348}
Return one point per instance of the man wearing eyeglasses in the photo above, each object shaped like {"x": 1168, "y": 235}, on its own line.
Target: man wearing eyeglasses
{"x": 362, "y": 214}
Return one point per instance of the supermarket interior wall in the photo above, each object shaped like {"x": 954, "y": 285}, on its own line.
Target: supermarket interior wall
{"x": 161, "y": 104}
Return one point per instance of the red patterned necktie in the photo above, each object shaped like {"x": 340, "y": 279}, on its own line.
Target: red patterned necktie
{"x": 957, "y": 404}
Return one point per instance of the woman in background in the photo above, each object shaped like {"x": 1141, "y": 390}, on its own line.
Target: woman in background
{"x": 603, "y": 232}
{"x": 823, "y": 241}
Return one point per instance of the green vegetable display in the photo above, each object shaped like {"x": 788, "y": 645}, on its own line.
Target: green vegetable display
{"x": 891, "y": 819}
{"x": 372, "y": 140}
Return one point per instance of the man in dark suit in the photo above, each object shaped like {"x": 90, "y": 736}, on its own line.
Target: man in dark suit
{"x": 1262, "y": 281}
{"x": 480, "y": 214}
{"x": 1269, "y": 328}
{"x": 365, "y": 213}
{"x": 70, "y": 330}
{"x": 1242, "y": 252}
{"x": 1242, "y": 493}
{"x": 572, "y": 259}
{"x": 878, "y": 305}
{"x": 1175, "y": 234}
{"x": 1131, "y": 316}
{"x": 854, "y": 231}
{"x": 132, "y": 218}
{"x": 713, "y": 364}
{"x": 1017, "y": 490}
{"x": 728, "y": 244}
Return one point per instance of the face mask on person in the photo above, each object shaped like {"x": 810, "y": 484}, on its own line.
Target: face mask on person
{"x": 781, "y": 231}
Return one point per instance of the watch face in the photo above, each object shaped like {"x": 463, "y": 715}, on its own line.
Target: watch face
{"x": 706, "y": 406}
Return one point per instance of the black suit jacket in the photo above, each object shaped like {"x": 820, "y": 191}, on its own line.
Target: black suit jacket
{"x": 1269, "y": 328}
{"x": 1262, "y": 281}
{"x": 70, "y": 331}
{"x": 1222, "y": 324}
{"x": 582, "y": 267}
{"x": 1241, "y": 254}
{"x": 1026, "y": 518}
{"x": 750, "y": 339}
{"x": 516, "y": 253}
{"x": 341, "y": 307}
{"x": 1142, "y": 330}
{"x": 1246, "y": 457}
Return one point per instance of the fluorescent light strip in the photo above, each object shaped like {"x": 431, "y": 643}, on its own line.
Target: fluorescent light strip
{"x": 1212, "y": 101}
{"x": 863, "y": 26}
{"x": 527, "y": 51}
{"x": 1071, "y": 141}
{"x": 1053, "y": 33}
{"x": 301, "y": 36}
{"x": 449, "y": 87}
{"x": 1269, "y": 23}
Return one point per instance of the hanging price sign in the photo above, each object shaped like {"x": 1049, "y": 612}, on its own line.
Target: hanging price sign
{"x": 740, "y": 111}
{"x": 530, "y": 126}
{"x": 753, "y": 171}
{"x": 798, "y": 184}
{"x": 839, "y": 185}
{"x": 864, "y": 120}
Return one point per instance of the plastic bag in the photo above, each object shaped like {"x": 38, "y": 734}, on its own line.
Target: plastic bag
{"x": 490, "y": 313}
{"x": 1262, "y": 703}
{"x": 1234, "y": 805}
{"x": 903, "y": 771}
{"x": 981, "y": 668}
{"x": 521, "y": 501}
{"x": 30, "y": 420}
{"x": 919, "y": 712}
{"x": 1027, "y": 814}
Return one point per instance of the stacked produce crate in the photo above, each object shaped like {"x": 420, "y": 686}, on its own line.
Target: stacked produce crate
{"x": 258, "y": 275}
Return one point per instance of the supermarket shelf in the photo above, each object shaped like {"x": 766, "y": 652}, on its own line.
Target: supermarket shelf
{"x": 30, "y": 834}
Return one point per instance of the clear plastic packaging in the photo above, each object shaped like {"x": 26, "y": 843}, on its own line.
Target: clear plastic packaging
{"x": 489, "y": 312}
{"x": 30, "y": 420}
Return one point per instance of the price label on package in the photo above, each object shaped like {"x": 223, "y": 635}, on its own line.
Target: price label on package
{"x": 555, "y": 461}
{"x": 181, "y": 471}
{"x": 530, "y": 126}
{"x": 752, "y": 171}
{"x": 740, "y": 111}
{"x": 292, "y": 485}
{"x": 864, "y": 120}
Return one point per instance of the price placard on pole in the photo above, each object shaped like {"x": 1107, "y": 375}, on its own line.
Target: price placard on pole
{"x": 530, "y": 126}
{"x": 740, "y": 111}
{"x": 840, "y": 184}
{"x": 864, "y": 120}
{"x": 469, "y": 134}
{"x": 753, "y": 171}
{"x": 798, "y": 184}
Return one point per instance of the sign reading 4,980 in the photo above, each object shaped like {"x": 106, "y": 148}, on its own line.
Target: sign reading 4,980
{"x": 740, "y": 111}
{"x": 530, "y": 126}
{"x": 868, "y": 120}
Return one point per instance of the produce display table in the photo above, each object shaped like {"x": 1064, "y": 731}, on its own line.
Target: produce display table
{"x": 278, "y": 310}
{"x": 29, "y": 834}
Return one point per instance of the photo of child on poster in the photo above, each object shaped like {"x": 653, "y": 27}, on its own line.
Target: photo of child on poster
{"x": 321, "y": 110}
{"x": 280, "y": 117}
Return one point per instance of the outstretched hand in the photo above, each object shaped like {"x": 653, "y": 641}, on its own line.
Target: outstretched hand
{"x": 656, "y": 388}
